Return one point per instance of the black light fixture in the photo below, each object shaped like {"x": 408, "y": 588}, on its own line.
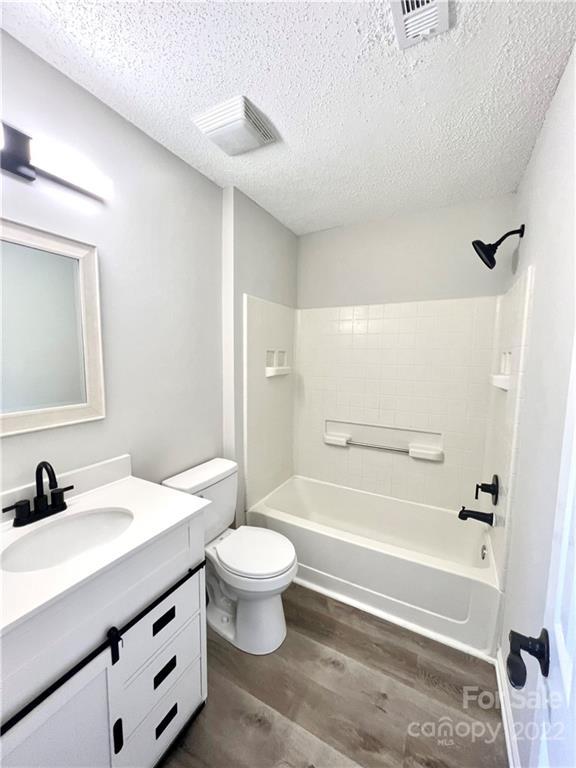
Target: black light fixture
{"x": 15, "y": 154}
{"x": 33, "y": 158}
{"x": 487, "y": 251}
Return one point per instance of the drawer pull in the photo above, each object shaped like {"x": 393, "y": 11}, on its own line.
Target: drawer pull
{"x": 166, "y": 720}
{"x": 165, "y": 619}
{"x": 117, "y": 736}
{"x": 164, "y": 672}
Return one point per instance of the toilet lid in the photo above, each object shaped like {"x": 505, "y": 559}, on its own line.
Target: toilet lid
{"x": 256, "y": 553}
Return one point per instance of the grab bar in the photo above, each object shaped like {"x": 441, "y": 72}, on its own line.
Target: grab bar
{"x": 336, "y": 438}
{"x": 414, "y": 450}
{"x": 378, "y": 447}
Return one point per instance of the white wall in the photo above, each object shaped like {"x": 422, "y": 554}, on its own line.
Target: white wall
{"x": 265, "y": 251}
{"x": 547, "y": 206}
{"x": 513, "y": 315}
{"x": 158, "y": 239}
{"x": 268, "y": 405}
{"x": 421, "y": 365}
{"x": 259, "y": 259}
{"x": 408, "y": 258}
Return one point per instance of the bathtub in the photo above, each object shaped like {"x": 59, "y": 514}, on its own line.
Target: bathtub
{"x": 416, "y": 565}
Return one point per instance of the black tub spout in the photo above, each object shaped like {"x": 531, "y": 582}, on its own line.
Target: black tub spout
{"x": 483, "y": 517}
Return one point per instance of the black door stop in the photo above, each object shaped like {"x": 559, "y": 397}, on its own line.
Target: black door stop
{"x": 539, "y": 647}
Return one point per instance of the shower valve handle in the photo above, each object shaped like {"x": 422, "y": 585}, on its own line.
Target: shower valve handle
{"x": 492, "y": 488}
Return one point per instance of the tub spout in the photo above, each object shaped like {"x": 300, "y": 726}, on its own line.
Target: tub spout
{"x": 483, "y": 517}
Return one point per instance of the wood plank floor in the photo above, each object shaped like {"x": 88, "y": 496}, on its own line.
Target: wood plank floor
{"x": 345, "y": 690}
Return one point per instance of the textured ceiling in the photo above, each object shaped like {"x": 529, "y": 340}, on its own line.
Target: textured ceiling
{"x": 367, "y": 130}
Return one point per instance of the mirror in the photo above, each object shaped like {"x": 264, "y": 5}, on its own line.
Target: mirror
{"x": 51, "y": 371}
{"x": 42, "y": 357}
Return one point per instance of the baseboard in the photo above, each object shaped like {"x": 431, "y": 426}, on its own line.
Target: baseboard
{"x": 367, "y": 608}
{"x": 507, "y": 712}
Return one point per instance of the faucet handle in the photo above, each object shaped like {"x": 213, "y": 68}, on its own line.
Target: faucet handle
{"x": 57, "y": 502}
{"x": 21, "y": 512}
{"x": 492, "y": 488}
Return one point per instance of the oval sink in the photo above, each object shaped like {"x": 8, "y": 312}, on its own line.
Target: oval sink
{"x": 65, "y": 539}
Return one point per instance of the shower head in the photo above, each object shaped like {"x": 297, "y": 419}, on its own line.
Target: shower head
{"x": 487, "y": 251}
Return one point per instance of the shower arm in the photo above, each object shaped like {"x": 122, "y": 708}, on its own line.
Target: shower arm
{"x": 519, "y": 231}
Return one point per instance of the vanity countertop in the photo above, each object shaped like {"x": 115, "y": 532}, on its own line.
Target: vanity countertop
{"x": 155, "y": 509}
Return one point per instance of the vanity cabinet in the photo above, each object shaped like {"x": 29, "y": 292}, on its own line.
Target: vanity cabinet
{"x": 157, "y": 679}
{"x": 123, "y": 703}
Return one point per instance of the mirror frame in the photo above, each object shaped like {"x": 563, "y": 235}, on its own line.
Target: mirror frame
{"x": 94, "y": 408}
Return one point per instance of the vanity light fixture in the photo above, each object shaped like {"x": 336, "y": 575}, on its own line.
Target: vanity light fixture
{"x": 487, "y": 251}
{"x": 30, "y": 158}
{"x": 15, "y": 154}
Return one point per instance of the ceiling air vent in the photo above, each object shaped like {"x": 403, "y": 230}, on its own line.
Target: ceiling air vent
{"x": 415, "y": 20}
{"x": 236, "y": 126}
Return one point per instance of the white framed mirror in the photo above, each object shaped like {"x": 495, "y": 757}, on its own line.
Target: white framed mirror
{"x": 51, "y": 370}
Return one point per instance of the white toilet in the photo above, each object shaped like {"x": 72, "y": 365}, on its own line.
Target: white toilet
{"x": 247, "y": 569}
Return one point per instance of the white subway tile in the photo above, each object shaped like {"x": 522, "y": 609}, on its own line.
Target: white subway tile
{"x": 423, "y": 365}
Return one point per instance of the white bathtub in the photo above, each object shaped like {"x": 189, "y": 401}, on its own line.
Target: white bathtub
{"x": 414, "y": 564}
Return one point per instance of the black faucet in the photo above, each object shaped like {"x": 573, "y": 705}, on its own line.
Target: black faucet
{"x": 23, "y": 515}
{"x": 483, "y": 517}
{"x": 41, "y": 499}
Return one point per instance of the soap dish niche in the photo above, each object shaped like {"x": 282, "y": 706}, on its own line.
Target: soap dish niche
{"x": 276, "y": 363}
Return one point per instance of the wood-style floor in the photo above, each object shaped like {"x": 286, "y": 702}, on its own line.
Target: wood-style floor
{"x": 345, "y": 690}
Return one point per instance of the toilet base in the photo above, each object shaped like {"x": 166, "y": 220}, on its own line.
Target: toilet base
{"x": 247, "y": 612}
{"x": 253, "y": 626}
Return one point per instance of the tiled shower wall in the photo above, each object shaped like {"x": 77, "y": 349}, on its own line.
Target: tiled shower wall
{"x": 423, "y": 365}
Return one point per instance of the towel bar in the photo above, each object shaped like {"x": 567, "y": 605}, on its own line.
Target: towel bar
{"x": 378, "y": 447}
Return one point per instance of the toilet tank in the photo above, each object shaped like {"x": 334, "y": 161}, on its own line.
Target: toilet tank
{"x": 217, "y": 481}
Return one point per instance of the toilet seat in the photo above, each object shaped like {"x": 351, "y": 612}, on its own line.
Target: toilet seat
{"x": 255, "y": 553}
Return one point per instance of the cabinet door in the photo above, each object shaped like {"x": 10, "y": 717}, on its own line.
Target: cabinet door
{"x": 69, "y": 729}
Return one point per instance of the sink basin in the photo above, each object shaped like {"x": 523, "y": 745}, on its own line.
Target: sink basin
{"x": 64, "y": 539}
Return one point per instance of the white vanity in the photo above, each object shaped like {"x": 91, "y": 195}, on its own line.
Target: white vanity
{"x": 103, "y": 624}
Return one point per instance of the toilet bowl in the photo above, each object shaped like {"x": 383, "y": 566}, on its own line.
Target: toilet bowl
{"x": 247, "y": 569}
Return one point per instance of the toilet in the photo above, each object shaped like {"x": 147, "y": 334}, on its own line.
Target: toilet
{"x": 247, "y": 568}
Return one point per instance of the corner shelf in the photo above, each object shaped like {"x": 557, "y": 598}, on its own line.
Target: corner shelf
{"x": 501, "y": 381}
{"x": 277, "y": 370}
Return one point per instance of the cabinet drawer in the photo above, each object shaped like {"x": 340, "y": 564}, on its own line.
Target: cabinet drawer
{"x": 154, "y": 630}
{"x": 154, "y": 735}
{"x": 133, "y": 699}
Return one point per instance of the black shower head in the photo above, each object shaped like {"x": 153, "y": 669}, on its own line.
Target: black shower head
{"x": 487, "y": 251}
